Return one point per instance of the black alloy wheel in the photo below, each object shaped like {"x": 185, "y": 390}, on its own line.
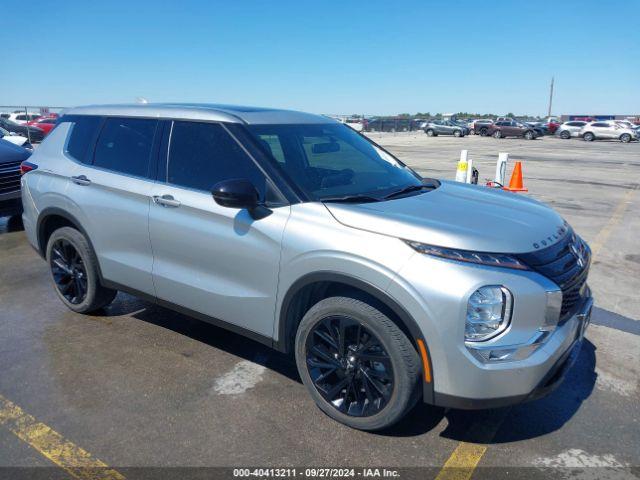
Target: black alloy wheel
{"x": 69, "y": 272}
{"x": 349, "y": 366}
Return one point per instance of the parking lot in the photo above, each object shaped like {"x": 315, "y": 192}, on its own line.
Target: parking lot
{"x": 141, "y": 386}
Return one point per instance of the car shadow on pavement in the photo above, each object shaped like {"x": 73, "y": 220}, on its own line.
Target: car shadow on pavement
{"x": 204, "y": 332}
{"x": 524, "y": 421}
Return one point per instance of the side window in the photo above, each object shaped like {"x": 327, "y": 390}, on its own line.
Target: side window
{"x": 203, "y": 154}
{"x": 124, "y": 145}
{"x": 82, "y": 134}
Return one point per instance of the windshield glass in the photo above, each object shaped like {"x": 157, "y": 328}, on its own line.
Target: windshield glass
{"x": 331, "y": 160}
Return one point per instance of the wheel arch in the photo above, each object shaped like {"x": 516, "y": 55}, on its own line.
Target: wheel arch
{"x": 52, "y": 218}
{"x": 311, "y": 288}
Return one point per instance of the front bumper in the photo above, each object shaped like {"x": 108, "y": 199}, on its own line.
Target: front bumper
{"x": 552, "y": 372}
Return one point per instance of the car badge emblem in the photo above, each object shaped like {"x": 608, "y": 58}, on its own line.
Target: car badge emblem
{"x": 578, "y": 252}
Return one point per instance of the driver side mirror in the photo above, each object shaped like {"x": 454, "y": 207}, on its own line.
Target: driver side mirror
{"x": 239, "y": 193}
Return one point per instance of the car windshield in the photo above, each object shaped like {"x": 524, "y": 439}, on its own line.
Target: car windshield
{"x": 333, "y": 162}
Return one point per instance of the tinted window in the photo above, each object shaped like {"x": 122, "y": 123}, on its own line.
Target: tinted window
{"x": 600, "y": 125}
{"x": 203, "y": 154}
{"x": 124, "y": 145}
{"x": 83, "y": 131}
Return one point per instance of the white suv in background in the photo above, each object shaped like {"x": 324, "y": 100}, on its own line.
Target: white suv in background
{"x": 570, "y": 129}
{"x": 607, "y": 130}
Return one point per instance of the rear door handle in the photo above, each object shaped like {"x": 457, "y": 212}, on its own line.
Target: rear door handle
{"x": 81, "y": 180}
{"x": 166, "y": 201}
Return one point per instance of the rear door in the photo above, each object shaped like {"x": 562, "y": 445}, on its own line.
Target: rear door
{"x": 210, "y": 259}
{"x": 110, "y": 191}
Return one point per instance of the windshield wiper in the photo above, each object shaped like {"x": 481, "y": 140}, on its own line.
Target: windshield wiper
{"x": 409, "y": 189}
{"x": 351, "y": 199}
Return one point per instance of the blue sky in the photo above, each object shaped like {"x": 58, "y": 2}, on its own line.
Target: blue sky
{"x": 371, "y": 57}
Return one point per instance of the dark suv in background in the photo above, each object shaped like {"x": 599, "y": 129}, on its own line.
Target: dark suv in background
{"x": 512, "y": 129}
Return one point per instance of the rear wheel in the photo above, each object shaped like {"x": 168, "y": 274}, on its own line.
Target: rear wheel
{"x": 358, "y": 366}
{"x": 74, "y": 270}
{"x": 589, "y": 137}
{"x": 566, "y": 135}
{"x": 483, "y": 132}
{"x": 497, "y": 134}
{"x": 625, "y": 138}
{"x": 430, "y": 133}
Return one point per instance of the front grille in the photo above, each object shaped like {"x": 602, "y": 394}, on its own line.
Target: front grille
{"x": 567, "y": 264}
{"x": 9, "y": 177}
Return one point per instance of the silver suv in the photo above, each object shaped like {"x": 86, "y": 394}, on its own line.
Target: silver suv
{"x": 302, "y": 234}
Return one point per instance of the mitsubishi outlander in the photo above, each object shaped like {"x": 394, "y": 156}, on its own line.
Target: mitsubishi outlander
{"x": 304, "y": 235}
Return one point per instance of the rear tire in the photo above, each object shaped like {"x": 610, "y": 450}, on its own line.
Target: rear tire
{"x": 368, "y": 388}
{"x": 589, "y": 137}
{"x": 74, "y": 269}
{"x": 625, "y": 138}
{"x": 565, "y": 135}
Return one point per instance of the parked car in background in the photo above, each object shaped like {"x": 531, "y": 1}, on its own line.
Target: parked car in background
{"x": 512, "y": 129}
{"x": 46, "y": 124}
{"x": 607, "y": 131}
{"x": 36, "y": 134}
{"x": 480, "y": 126}
{"x": 552, "y": 126}
{"x": 358, "y": 124}
{"x": 21, "y": 118}
{"x": 11, "y": 156}
{"x": 434, "y": 128}
{"x": 570, "y": 129}
{"x": 15, "y": 139}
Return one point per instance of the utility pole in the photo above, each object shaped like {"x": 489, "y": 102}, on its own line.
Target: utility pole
{"x": 550, "y": 98}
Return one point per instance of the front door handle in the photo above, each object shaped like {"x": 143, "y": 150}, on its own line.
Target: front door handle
{"x": 81, "y": 180}
{"x": 166, "y": 201}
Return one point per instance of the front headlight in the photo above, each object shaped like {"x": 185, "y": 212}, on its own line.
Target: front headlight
{"x": 488, "y": 313}
{"x": 490, "y": 259}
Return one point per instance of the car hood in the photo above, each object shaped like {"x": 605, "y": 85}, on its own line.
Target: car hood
{"x": 458, "y": 215}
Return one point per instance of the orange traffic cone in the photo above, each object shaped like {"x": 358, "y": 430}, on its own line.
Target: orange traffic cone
{"x": 515, "y": 184}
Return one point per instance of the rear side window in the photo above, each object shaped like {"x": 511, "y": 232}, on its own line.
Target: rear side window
{"x": 600, "y": 125}
{"x": 83, "y": 132}
{"x": 203, "y": 154}
{"x": 124, "y": 145}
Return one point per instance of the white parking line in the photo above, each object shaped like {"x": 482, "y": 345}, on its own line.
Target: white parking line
{"x": 243, "y": 376}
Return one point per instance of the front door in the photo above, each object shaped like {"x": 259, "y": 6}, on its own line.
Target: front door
{"x": 214, "y": 260}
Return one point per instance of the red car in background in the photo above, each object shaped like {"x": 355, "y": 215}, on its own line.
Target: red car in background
{"x": 552, "y": 127}
{"x": 45, "y": 123}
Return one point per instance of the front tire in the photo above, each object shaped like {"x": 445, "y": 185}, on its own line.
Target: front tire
{"x": 497, "y": 134}
{"x": 430, "y": 133}
{"x": 528, "y": 135}
{"x": 457, "y": 133}
{"x": 625, "y": 138}
{"x": 358, "y": 366}
{"x": 74, "y": 271}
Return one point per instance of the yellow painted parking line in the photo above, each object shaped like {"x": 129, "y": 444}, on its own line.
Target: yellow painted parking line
{"x": 77, "y": 462}
{"x": 465, "y": 458}
{"x": 618, "y": 213}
